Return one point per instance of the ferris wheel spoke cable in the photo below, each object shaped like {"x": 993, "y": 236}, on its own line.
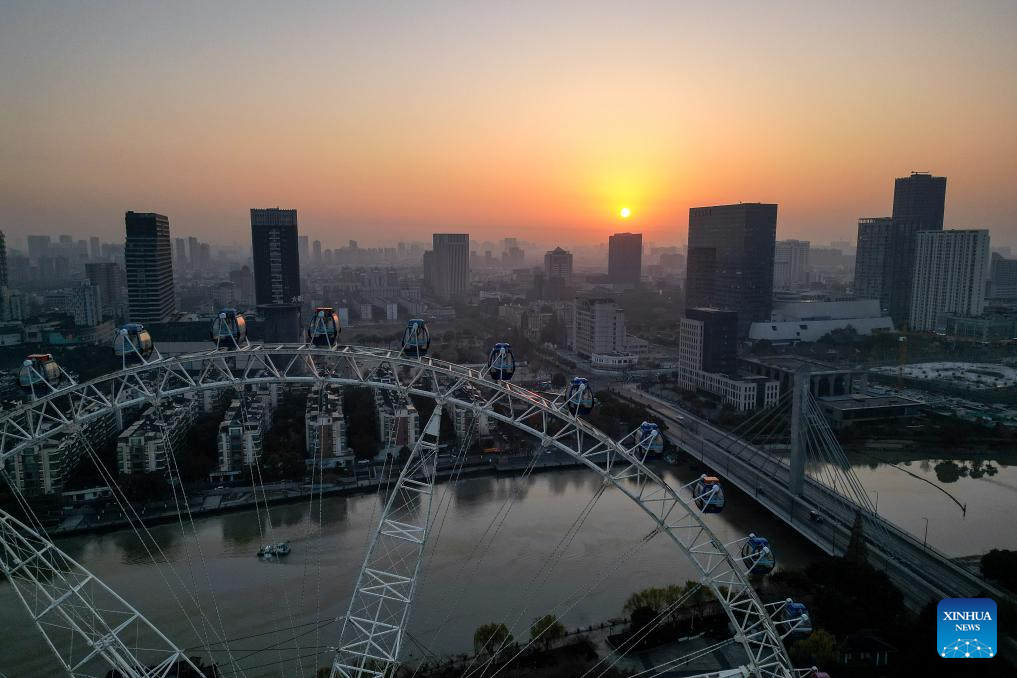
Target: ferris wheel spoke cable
{"x": 268, "y": 529}
{"x": 317, "y": 460}
{"x": 672, "y": 664}
{"x": 633, "y": 640}
{"x": 497, "y": 522}
{"x": 582, "y": 593}
{"x": 636, "y": 638}
{"x": 547, "y": 567}
{"x": 134, "y": 521}
{"x": 174, "y": 467}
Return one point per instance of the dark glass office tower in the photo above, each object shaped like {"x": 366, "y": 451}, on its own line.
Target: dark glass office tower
{"x": 275, "y": 249}
{"x": 625, "y": 258}
{"x": 920, "y": 199}
{"x": 872, "y": 259}
{"x": 730, "y": 260}
{"x": 149, "y": 263}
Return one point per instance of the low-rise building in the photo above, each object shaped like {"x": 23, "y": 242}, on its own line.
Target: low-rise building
{"x": 824, "y": 379}
{"x": 807, "y": 321}
{"x": 849, "y": 410}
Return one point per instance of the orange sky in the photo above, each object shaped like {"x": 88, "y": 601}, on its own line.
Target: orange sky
{"x": 384, "y": 121}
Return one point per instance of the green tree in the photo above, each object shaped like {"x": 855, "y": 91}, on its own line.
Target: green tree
{"x": 558, "y": 380}
{"x": 819, "y": 649}
{"x": 490, "y": 638}
{"x": 547, "y": 629}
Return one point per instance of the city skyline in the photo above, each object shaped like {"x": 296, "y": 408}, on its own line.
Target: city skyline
{"x": 619, "y": 114}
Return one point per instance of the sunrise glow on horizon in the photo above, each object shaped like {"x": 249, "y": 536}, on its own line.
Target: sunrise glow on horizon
{"x": 384, "y": 122}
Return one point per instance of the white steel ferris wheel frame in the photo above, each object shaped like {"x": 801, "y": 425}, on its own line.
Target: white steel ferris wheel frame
{"x": 550, "y": 421}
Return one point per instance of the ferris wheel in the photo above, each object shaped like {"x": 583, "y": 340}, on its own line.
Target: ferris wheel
{"x": 93, "y": 631}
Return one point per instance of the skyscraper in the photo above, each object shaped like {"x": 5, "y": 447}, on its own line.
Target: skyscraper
{"x": 920, "y": 200}
{"x": 885, "y": 260}
{"x": 950, "y": 268}
{"x": 730, "y": 260}
{"x": 872, "y": 266}
{"x": 625, "y": 258}
{"x": 149, "y": 263}
{"x": 276, "y": 256}
{"x": 304, "y": 248}
{"x": 450, "y": 265}
{"x": 317, "y": 253}
{"x": 918, "y": 205}
{"x": 94, "y": 248}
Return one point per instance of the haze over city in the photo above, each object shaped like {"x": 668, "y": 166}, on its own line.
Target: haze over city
{"x": 644, "y": 339}
{"x": 387, "y": 121}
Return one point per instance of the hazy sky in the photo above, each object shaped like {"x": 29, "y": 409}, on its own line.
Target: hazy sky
{"x": 384, "y": 120}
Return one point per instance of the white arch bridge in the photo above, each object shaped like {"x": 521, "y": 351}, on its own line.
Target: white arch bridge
{"x": 91, "y": 628}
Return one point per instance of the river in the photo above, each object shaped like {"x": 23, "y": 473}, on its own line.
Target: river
{"x": 469, "y": 579}
{"x": 463, "y": 585}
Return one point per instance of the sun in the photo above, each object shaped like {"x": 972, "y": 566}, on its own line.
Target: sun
{"x": 625, "y": 213}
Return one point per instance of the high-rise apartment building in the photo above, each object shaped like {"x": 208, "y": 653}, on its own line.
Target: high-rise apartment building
{"x": 274, "y": 242}
{"x": 598, "y": 325}
{"x": 790, "y": 263}
{"x": 149, "y": 264}
{"x": 107, "y": 277}
{"x": 558, "y": 264}
{"x": 94, "y": 248}
{"x": 730, "y": 260}
{"x": 625, "y": 258}
{"x": 951, "y": 268}
{"x": 84, "y": 301}
{"x": 303, "y": 246}
{"x": 1002, "y": 277}
{"x": 449, "y": 265}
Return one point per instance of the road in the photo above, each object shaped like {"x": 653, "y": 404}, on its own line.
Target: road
{"x": 920, "y": 571}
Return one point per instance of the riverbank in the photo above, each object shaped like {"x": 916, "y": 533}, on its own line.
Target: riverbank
{"x": 110, "y": 517}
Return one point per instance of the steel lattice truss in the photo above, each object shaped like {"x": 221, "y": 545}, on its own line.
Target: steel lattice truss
{"x": 373, "y": 628}
{"x": 89, "y": 627}
{"x": 550, "y": 421}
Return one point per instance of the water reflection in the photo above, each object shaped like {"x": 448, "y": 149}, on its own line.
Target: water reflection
{"x": 490, "y": 560}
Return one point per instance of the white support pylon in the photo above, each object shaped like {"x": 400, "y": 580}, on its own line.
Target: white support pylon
{"x": 91, "y": 629}
{"x": 372, "y": 632}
